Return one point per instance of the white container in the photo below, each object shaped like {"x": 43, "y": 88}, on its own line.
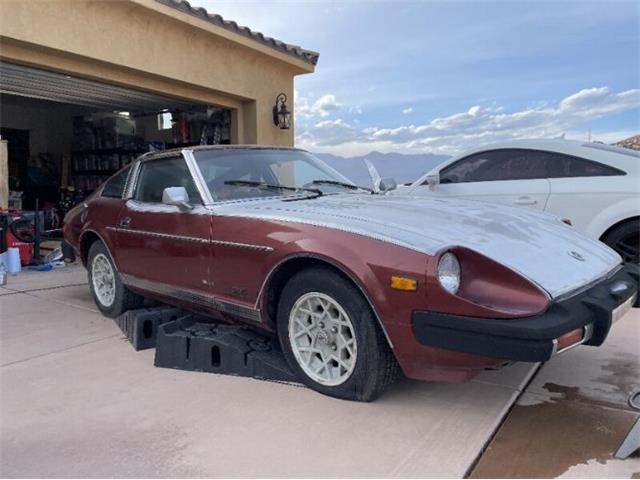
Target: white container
{"x": 13, "y": 260}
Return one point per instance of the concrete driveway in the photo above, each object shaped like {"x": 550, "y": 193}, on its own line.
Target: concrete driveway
{"x": 77, "y": 401}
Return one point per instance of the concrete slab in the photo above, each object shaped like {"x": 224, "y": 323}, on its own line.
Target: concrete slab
{"x": 515, "y": 376}
{"x": 95, "y": 403}
{"x": 73, "y": 274}
{"x": 77, "y": 400}
{"x": 74, "y": 296}
{"x": 573, "y": 415}
{"x": 605, "y": 375}
{"x": 32, "y": 326}
{"x": 543, "y": 439}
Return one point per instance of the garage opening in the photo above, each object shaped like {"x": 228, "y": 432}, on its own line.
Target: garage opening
{"x": 66, "y": 135}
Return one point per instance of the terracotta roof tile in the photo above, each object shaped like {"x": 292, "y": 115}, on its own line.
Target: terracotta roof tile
{"x": 294, "y": 50}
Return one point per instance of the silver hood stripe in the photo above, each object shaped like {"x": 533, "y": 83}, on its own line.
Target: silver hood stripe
{"x": 534, "y": 244}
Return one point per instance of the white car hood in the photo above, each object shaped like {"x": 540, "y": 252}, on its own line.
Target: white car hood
{"x": 535, "y": 244}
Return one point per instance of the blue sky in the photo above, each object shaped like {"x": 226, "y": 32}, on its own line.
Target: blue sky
{"x": 436, "y": 76}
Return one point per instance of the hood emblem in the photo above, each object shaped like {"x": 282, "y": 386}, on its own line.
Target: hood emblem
{"x": 576, "y": 255}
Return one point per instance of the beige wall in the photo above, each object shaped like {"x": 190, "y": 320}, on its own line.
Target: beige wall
{"x": 53, "y": 123}
{"x": 144, "y": 44}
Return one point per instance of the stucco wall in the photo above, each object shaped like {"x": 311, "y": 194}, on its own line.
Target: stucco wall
{"x": 135, "y": 43}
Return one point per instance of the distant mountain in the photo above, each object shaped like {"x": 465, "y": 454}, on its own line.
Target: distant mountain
{"x": 402, "y": 167}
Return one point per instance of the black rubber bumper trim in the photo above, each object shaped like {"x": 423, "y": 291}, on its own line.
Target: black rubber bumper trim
{"x": 67, "y": 251}
{"x": 530, "y": 339}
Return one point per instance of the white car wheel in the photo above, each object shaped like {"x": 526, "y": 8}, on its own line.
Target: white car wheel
{"x": 322, "y": 339}
{"x": 104, "y": 281}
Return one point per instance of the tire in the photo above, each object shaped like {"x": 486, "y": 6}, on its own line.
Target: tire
{"x": 625, "y": 239}
{"x": 341, "y": 315}
{"x": 121, "y": 299}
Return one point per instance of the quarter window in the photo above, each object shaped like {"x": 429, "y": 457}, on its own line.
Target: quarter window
{"x": 156, "y": 175}
{"x": 114, "y": 187}
{"x": 565, "y": 166}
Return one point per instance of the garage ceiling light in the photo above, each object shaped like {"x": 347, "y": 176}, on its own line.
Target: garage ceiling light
{"x": 46, "y": 85}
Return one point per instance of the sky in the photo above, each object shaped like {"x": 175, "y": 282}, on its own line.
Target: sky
{"x": 443, "y": 76}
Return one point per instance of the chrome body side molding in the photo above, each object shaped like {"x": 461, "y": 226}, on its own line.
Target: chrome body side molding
{"x": 248, "y": 246}
{"x": 146, "y": 233}
{"x": 186, "y": 238}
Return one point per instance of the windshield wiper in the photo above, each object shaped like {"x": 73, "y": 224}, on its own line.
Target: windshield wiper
{"x": 341, "y": 184}
{"x": 252, "y": 183}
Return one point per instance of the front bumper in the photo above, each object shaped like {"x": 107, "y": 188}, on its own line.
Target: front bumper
{"x": 584, "y": 318}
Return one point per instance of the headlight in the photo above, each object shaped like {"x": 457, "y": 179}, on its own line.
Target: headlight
{"x": 449, "y": 272}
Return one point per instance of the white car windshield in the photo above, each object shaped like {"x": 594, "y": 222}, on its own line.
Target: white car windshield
{"x": 233, "y": 174}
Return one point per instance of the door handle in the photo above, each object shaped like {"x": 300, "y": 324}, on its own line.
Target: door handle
{"x": 124, "y": 222}
{"x": 526, "y": 201}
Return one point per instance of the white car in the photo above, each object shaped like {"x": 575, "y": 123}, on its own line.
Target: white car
{"x": 595, "y": 187}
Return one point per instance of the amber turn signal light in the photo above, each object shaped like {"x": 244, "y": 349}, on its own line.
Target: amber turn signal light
{"x": 402, "y": 283}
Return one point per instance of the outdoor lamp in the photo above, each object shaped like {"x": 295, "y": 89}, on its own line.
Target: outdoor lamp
{"x": 281, "y": 116}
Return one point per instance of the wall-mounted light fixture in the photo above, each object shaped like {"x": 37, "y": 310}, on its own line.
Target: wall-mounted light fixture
{"x": 281, "y": 116}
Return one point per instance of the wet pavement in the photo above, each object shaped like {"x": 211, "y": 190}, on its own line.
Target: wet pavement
{"x": 573, "y": 415}
{"x": 77, "y": 400}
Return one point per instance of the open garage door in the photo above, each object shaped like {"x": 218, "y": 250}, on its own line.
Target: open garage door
{"x": 66, "y": 134}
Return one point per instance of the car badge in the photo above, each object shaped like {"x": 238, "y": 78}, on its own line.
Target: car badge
{"x": 576, "y": 255}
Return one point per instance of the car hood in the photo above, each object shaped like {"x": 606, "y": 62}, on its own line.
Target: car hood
{"x": 535, "y": 244}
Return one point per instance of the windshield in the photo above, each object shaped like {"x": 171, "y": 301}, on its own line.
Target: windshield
{"x": 233, "y": 174}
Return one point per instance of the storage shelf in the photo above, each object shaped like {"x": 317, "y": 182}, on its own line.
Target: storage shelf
{"x": 107, "y": 151}
{"x": 94, "y": 172}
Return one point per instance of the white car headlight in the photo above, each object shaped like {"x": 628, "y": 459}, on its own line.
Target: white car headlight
{"x": 449, "y": 272}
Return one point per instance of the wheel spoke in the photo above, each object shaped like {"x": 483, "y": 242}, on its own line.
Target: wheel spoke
{"x": 103, "y": 278}
{"x": 326, "y": 349}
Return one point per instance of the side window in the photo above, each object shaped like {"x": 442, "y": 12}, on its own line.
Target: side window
{"x": 566, "y": 166}
{"x": 494, "y": 165}
{"x": 114, "y": 187}
{"x": 156, "y": 175}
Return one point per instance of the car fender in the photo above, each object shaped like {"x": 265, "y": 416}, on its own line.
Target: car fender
{"x": 611, "y": 215}
{"x": 361, "y": 269}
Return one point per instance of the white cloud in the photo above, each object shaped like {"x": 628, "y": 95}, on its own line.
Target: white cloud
{"x": 322, "y": 107}
{"x": 407, "y": 110}
{"x": 478, "y": 125}
{"x": 325, "y": 105}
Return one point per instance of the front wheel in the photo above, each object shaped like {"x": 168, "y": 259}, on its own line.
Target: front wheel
{"x": 331, "y": 338}
{"x": 112, "y": 297}
{"x": 625, "y": 239}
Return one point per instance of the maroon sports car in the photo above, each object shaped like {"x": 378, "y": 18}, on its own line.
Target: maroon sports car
{"x": 353, "y": 282}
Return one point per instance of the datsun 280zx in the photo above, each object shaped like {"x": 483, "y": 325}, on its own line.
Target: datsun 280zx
{"x": 353, "y": 282}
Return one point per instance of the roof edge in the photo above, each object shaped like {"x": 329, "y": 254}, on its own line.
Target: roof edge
{"x": 307, "y": 56}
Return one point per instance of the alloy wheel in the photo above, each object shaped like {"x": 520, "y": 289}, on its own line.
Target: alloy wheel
{"x": 104, "y": 281}
{"x": 322, "y": 339}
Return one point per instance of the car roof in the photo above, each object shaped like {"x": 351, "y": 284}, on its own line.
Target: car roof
{"x": 200, "y": 148}
{"x": 570, "y": 147}
{"x": 618, "y": 157}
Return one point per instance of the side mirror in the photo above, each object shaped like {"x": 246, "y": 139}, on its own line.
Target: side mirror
{"x": 176, "y": 196}
{"x": 433, "y": 178}
{"x": 387, "y": 184}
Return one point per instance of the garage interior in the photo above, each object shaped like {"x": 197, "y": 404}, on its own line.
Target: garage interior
{"x": 66, "y": 135}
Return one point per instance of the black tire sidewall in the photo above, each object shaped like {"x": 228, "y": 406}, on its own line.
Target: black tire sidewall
{"x": 631, "y": 227}
{"x": 355, "y": 305}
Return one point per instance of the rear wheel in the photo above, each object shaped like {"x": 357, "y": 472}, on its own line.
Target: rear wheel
{"x": 625, "y": 239}
{"x": 112, "y": 297}
{"x": 331, "y": 339}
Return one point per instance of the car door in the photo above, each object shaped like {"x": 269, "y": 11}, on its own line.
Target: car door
{"x": 582, "y": 189}
{"x": 164, "y": 248}
{"x": 507, "y": 176}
